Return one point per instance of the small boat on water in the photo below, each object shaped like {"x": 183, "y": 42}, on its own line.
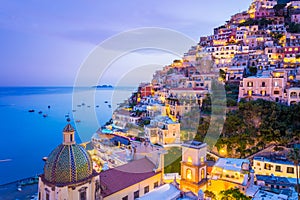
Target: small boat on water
{"x": 49, "y": 107}
{"x": 105, "y": 101}
{"x": 97, "y": 106}
{"x": 78, "y": 105}
{"x": 67, "y": 115}
{"x": 40, "y": 112}
{"x": 109, "y": 106}
{"x": 31, "y": 110}
{"x": 28, "y": 181}
{"x": 83, "y": 104}
{"x": 73, "y": 110}
{"x": 77, "y": 121}
{"x": 45, "y": 115}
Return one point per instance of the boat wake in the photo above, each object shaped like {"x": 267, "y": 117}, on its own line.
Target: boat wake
{"x": 5, "y": 160}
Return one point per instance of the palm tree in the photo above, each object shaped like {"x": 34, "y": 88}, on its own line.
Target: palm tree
{"x": 294, "y": 155}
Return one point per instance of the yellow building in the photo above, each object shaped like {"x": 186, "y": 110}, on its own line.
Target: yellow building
{"x": 163, "y": 131}
{"x": 193, "y": 167}
{"x": 130, "y": 181}
{"x": 281, "y": 168}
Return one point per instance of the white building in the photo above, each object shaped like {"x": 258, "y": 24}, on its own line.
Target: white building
{"x": 293, "y": 95}
{"x": 233, "y": 170}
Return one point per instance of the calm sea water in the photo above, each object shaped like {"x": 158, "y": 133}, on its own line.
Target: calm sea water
{"x": 26, "y": 137}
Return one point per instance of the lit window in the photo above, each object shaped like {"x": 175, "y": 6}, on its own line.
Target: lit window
{"x": 278, "y": 168}
{"x": 290, "y": 170}
{"x": 189, "y": 174}
{"x": 190, "y": 160}
{"x": 202, "y": 159}
{"x": 250, "y": 93}
{"x": 202, "y": 174}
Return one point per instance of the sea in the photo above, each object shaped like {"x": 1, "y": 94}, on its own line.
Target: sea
{"x": 26, "y": 137}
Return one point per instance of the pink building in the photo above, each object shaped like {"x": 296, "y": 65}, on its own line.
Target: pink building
{"x": 295, "y": 18}
{"x": 263, "y": 87}
{"x": 263, "y": 13}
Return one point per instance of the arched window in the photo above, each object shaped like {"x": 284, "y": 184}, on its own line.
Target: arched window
{"x": 189, "y": 174}
{"x": 293, "y": 95}
{"x": 263, "y": 84}
{"x": 202, "y": 174}
{"x": 82, "y": 193}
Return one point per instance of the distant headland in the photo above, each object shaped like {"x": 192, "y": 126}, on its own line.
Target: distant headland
{"x": 104, "y": 86}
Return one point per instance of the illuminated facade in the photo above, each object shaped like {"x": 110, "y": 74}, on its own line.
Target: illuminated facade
{"x": 293, "y": 95}
{"x": 164, "y": 131}
{"x": 281, "y": 168}
{"x": 231, "y": 172}
{"x": 292, "y": 56}
{"x": 235, "y": 73}
{"x": 193, "y": 167}
{"x": 263, "y": 87}
{"x": 260, "y": 8}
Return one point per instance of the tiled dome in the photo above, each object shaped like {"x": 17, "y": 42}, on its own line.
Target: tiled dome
{"x": 68, "y": 164}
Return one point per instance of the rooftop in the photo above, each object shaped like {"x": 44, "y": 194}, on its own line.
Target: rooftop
{"x": 166, "y": 192}
{"x": 274, "y": 180}
{"x": 279, "y": 161}
{"x": 188, "y": 89}
{"x": 232, "y": 164}
{"x": 194, "y": 144}
{"x": 263, "y": 195}
{"x": 119, "y": 178}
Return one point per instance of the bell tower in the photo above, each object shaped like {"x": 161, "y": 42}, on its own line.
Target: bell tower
{"x": 68, "y": 135}
{"x": 193, "y": 166}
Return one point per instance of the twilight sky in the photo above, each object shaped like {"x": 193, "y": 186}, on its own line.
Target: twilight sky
{"x": 44, "y": 43}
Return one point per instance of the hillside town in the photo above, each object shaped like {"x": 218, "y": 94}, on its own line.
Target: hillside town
{"x": 255, "y": 55}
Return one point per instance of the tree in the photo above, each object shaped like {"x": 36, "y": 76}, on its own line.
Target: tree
{"x": 294, "y": 155}
{"x": 233, "y": 194}
{"x": 252, "y": 70}
{"x": 210, "y": 194}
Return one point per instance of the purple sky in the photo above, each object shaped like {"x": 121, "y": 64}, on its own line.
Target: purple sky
{"x": 43, "y": 43}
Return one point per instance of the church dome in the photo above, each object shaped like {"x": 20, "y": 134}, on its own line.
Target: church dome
{"x": 68, "y": 163}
